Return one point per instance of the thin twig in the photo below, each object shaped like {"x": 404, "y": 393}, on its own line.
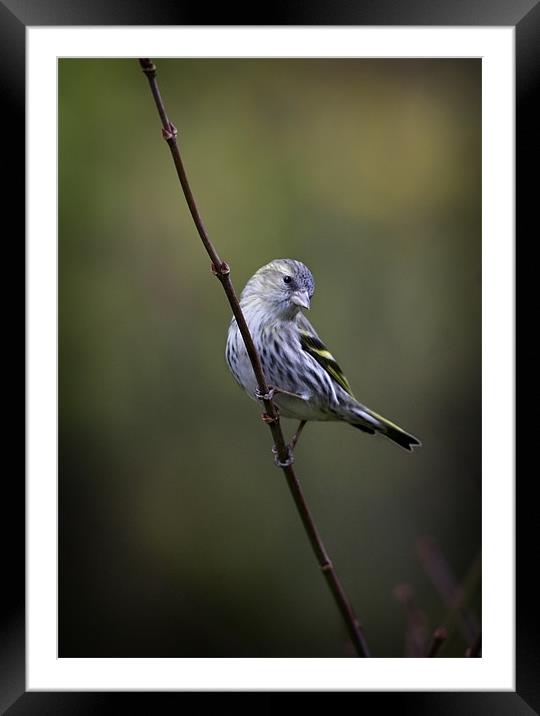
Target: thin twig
{"x": 440, "y": 635}
{"x": 475, "y": 648}
{"x": 416, "y": 632}
{"x": 222, "y": 271}
{"x": 453, "y": 594}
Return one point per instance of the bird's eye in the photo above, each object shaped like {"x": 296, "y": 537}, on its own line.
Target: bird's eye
{"x": 287, "y": 279}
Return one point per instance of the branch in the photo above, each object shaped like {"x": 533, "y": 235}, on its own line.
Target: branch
{"x": 440, "y": 635}
{"x": 475, "y": 648}
{"x": 416, "y": 633}
{"x": 453, "y": 594}
{"x": 222, "y": 271}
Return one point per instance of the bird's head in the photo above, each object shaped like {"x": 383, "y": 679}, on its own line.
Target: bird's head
{"x": 281, "y": 288}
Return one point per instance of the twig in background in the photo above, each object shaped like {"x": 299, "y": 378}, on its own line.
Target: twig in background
{"x": 453, "y": 594}
{"x": 222, "y": 272}
{"x": 475, "y": 648}
{"x": 416, "y": 632}
{"x": 440, "y": 635}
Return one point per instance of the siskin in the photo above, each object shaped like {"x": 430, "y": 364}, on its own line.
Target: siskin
{"x": 307, "y": 383}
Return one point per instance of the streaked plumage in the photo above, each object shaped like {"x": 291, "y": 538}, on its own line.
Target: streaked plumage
{"x": 293, "y": 357}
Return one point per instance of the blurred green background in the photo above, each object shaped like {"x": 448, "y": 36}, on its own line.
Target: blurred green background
{"x": 177, "y": 534}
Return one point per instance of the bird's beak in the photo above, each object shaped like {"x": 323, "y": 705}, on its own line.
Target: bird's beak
{"x": 301, "y": 298}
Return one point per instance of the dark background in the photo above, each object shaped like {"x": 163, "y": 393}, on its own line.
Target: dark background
{"x": 177, "y": 535}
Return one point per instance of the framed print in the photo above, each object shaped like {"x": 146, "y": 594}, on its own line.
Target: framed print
{"x": 162, "y": 551}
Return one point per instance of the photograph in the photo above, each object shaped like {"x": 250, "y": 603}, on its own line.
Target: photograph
{"x": 270, "y": 356}
{"x": 292, "y": 466}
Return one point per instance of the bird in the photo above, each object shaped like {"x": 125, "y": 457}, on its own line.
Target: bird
{"x": 307, "y": 383}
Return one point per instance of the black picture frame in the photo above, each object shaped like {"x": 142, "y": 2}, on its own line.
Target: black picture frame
{"x": 15, "y": 16}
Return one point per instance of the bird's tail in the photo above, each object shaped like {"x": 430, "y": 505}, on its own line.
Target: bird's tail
{"x": 371, "y": 422}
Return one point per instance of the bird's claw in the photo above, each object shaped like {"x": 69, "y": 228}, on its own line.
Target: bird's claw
{"x": 265, "y": 396}
{"x": 283, "y": 463}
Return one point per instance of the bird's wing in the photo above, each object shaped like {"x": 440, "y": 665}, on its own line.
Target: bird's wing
{"x": 312, "y": 344}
